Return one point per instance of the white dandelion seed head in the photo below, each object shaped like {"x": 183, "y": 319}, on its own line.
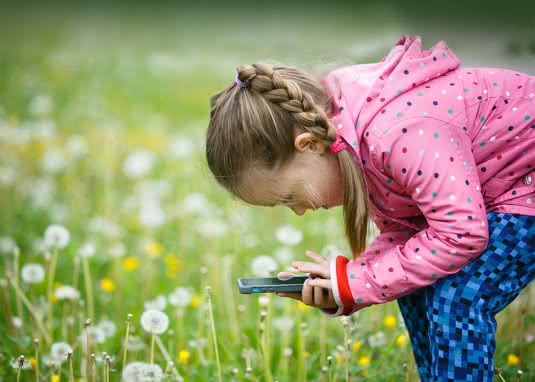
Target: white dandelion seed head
{"x": 56, "y": 236}
{"x": 76, "y": 145}
{"x": 59, "y": 350}
{"x": 211, "y": 228}
{"x": 263, "y": 266}
{"x": 86, "y": 250}
{"x": 139, "y": 163}
{"x": 181, "y": 147}
{"x": 151, "y": 214}
{"x": 330, "y": 250}
{"x": 287, "y": 352}
{"x": 17, "y": 322}
{"x": 377, "y": 339}
{"x": 32, "y": 273}
{"x": 132, "y": 372}
{"x": 283, "y": 323}
{"x": 154, "y": 321}
{"x": 263, "y": 301}
{"x": 159, "y": 303}
{"x": 53, "y": 161}
{"x": 67, "y": 292}
{"x": 96, "y": 336}
{"x": 135, "y": 343}
{"x": 41, "y": 104}
{"x": 14, "y": 362}
{"x": 108, "y": 327}
{"x": 284, "y": 254}
{"x": 288, "y": 235}
{"x": 151, "y": 373}
{"x": 180, "y": 297}
{"x": 195, "y": 202}
{"x": 7, "y": 244}
{"x": 117, "y": 250}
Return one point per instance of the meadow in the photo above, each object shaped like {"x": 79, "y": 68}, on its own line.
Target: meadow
{"x": 119, "y": 254}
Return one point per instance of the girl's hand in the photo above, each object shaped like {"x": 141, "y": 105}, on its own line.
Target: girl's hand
{"x": 317, "y": 292}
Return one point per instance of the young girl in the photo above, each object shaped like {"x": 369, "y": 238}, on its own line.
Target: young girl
{"x": 440, "y": 157}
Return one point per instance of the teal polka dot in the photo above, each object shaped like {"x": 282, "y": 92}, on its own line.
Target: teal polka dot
{"x": 399, "y": 91}
{"x": 354, "y": 143}
{"x": 444, "y": 54}
{"x": 420, "y": 94}
{"x": 434, "y": 251}
{"x": 388, "y": 165}
{"x": 398, "y": 114}
{"x": 389, "y": 181}
{"x": 434, "y": 275}
{"x": 526, "y": 117}
{"x": 482, "y": 144}
{"x": 469, "y": 200}
{"x": 482, "y": 119}
{"x": 436, "y": 135}
{"x": 359, "y": 299}
{"x": 358, "y": 124}
{"x": 450, "y": 213}
{"x": 450, "y": 111}
{"x": 452, "y": 265}
{"x": 351, "y": 276}
{"x": 434, "y": 194}
{"x": 466, "y": 90}
{"x": 494, "y": 84}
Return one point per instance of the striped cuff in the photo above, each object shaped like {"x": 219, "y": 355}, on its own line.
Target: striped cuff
{"x": 340, "y": 287}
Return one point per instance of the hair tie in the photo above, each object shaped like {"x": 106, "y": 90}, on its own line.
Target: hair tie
{"x": 338, "y": 145}
{"x": 243, "y": 84}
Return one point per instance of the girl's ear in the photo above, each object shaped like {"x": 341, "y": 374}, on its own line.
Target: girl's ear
{"x": 307, "y": 141}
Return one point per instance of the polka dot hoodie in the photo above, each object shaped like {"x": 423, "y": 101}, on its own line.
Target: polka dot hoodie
{"x": 440, "y": 146}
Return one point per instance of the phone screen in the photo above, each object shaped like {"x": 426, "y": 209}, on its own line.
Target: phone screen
{"x": 268, "y": 281}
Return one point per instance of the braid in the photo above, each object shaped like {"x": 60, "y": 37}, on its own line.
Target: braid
{"x": 265, "y": 79}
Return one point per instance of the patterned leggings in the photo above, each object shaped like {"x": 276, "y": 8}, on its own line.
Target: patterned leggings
{"x": 451, "y": 322}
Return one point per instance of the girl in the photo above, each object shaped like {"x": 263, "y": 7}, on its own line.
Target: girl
{"x": 439, "y": 156}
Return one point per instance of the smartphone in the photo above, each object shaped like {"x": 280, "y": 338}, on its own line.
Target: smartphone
{"x": 271, "y": 284}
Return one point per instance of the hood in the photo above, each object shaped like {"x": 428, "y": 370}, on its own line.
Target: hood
{"x": 361, "y": 91}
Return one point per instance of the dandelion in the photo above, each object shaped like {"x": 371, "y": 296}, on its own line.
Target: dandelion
{"x": 7, "y": 244}
{"x": 107, "y": 285}
{"x": 59, "y": 351}
{"x": 401, "y": 339}
{"x": 16, "y": 363}
{"x": 66, "y": 292}
{"x": 107, "y": 327}
{"x": 53, "y": 161}
{"x": 364, "y": 361}
{"x": 377, "y": 339}
{"x": 56, "y": 236}
{"x": 153, "y": 248}
{"x": 263, "y": 266}
{"x": 138, "y": 163}
{"x": 86, "y": 250}
{"x": 195, "y": 202}
{"x": 130, "y": 263}
{"x": 183, "y": 356}
{"x": 390, "y": 321}
{"x": 151, "y": 214}
{"x": 288, "y": 235}
{"x": 287, "y": 352}
{"x": 132, "y": 372}
{"x": 117, "y": 250}
{"x": 181, "y": 297}
{"x": 212, "y": 228}
{"x": 283, "y": 323}
{"x": 32, "y": 273}
{"x": 41, "y": 104}
{"x": 159, "y": 303}
{"x": 263, "y": 301}
{"x": 154, "y": 321}
{"x": 181, "y": 148}
{"x": 356, "y": 345}
{"x": 284, "y": 254}
{"x": 135, "y": 343}
{"x": 512, "y": 360}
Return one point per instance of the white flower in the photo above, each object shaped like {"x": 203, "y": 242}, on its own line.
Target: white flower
{"x": 181, "y": 148}
{"x": 41, "y": 104}
{"x": 154, "y": 321}
{"x": 56, "y": 236}
{"x": 66, "y": 292}
{"x": 96, "y": 336}
{"x": 212, "y": 228}
{"x": 151, "y": 214}
{"x": 159, "y": 303}
{"x": 151, "y": 373}
{"x": 86, "y": 250}
{"x": 59, "y": 350}
{"x": 195, "y": 202}
{"x": 289, "y": 235}
{"x": 14, "y": 362}
{"x": 284, "y": 254}
{"x": 287, "y": 352}
{"x": 138, "y": 163}
{"x": 142, "y": 372}
{"x": 17, "y": 322}
{"x": 377, "y": 339}
{"x": 33, "y": 273}
{"x": 263, "y": 300}
{"x": 117, "y": 250}
{"x": 77, "y": 145}
{"x": 104, "y": 226}
{"x": 7, "y": 244}
{"x": 180, "y": 297}
{"x": 135, "y": 343}
{"x": 263, "y": 266}
{"x": 283, "y": 323}
{"x": 132, "y": 372}
{"x": 108, "y": 327}
{"x": 53, "y": 161}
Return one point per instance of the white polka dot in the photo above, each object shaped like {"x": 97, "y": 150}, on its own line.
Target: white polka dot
{"x": 375, "y": 265}
{"x": 372, "y": 148}
{"x": 340, "y": 125}
{"x": 368, "y": 285}
{"x": 460, "y": 98}
{"x": 452, "y": 178}
{"x": 482, "y": 224}
{"x": 517, "y": 137}
{"x": 531, "y": 94}
{"x": 483, "y": 127}
{"x": 452, "y": 140}
{"x": 421, "y": 151}
{"x": 443, "y": 92}
{"x": 515, "y": 108}
{"x": 507, "y": 94}
{"x": 452, "y": 197}
{"x": 437, "y": 155}
{"x": 417, "y": 190}
{"x": 418, "y": 257}
{"x": 392, "y": 209}
{"x": 477, "y": 188}
{"x": 485, "y": 91}
{"x": 453, "y": 251}
{"x": 492, "y": 138}
{"x": 529, "y": 200}
{"x": 421, "y": 132}
{"x": 438, "y": 74}
{"x": 491, "y": 72}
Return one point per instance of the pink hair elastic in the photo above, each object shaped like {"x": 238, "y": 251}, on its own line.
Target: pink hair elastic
{"x": 338, "y": 145}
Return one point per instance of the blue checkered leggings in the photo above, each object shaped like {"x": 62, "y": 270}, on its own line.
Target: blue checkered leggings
{"x": 451, "y": 322}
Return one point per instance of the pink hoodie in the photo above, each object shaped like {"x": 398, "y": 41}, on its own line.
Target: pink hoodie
{"x": 440, "y": 146}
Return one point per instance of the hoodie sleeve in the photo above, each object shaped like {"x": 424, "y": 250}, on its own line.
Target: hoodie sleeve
{"x": 432, "y": 161}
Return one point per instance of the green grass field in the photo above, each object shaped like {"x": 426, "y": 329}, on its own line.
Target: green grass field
{"x": 102, "y": 122}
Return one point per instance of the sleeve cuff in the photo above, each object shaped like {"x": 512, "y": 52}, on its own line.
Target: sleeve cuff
{"x": 340, "y": 287}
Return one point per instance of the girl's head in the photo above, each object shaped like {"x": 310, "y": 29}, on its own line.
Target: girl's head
{"x": 268, "y": 145}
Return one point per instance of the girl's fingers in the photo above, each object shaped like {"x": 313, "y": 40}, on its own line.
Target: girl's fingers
{"x": 322, "y": 283}
{"x": 307, "y": 293}
{"x": 319, "y": 297}
{"x": 321, "y": 270}
{"x": 294, "y": 295}
{"x": 285, "y": 275}
{"x": 314, "y": 256}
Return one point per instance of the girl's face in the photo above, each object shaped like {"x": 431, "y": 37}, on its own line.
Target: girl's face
{"x": 311, "y": 180}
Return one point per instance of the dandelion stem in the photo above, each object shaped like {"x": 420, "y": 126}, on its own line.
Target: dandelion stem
{"x": 214, "y": 336}
{"x": 36, "y": 342}
{"x": 29, "y": 306}
{"x": 168, "y": 359}
{"x": 16, "y": 275}
{"x": 152, "y": 350}
{"x": 128, "y": 320}
{"x": 18, "y": 373}
{"x": 50, "y": 293}
{"x": 88, "y": 288}
{"x": 71, "y": 373}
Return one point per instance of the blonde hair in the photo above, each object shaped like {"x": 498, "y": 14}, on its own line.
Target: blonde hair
{"x": 256, "y": 126}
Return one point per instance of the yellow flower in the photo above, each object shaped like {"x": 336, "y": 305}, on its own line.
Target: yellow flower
{"x": 390, "y": 322}
{"x": 107, "y": 285}
{"x": 173, "y": 265}
{"x": 401, "y": 339}
{"x": 33, "y": 362}
{"x": 195, "y": 300}
{"x": 339, "y": 358}
{"x": 183, "y": 356}
{"x": 302, "y": 306}
{"x": 356, "y": 345}
{"x": 306, "y": 354}
{"x": 154, "y": 249}
{"x": 54, "y": 378}
{"x": 512, "y": 360}
{"x": 364, "y": 361}
{"x": 130, "y": 263}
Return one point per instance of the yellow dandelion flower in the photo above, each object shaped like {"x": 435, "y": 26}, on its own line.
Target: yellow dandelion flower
{"x": 390, "y": 322}
{"x": 33, "y": 362}
{"x": 339, "y": 358}
{"x": 107, "y": 285}
{"x": 302, "y": 306}
{"x": 401, "y": 340}
{"x": 130, "y": 263}
{"x": 154, "y": 249}
{"x": 512, "y": 360}
{"x": 356, "y": 345}
{"x": 195, "y": 301}
{"x": 54, "y": 378}
{"x": 54, "y": 298}
{"x": 183, "y": 356}
{"x": 364, "y": 361}
{"x": 306, "y": 354}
